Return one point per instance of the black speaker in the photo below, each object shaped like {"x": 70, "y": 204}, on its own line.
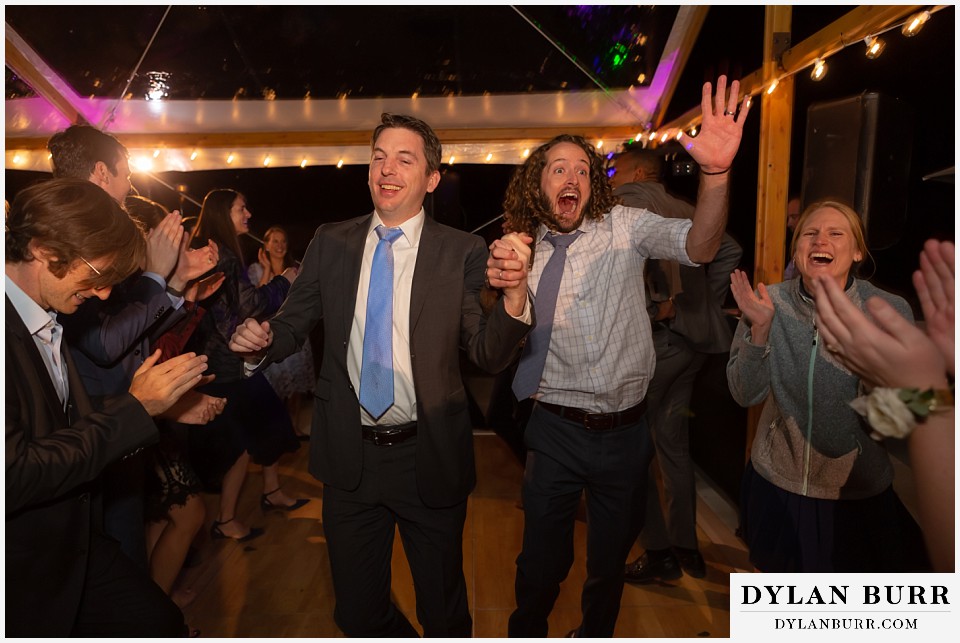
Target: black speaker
{"x": 858, "y": 152}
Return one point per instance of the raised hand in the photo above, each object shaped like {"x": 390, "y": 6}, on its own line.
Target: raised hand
{"x": 889, "y": 352}
{"x": 163, "y": 245}
{"x": 159, "y": 386}
{"x": 721, "y": 129}
{"x": 251, "y": 338}
{"x": 757, "y": 307}
{"x": 935, "y": 283}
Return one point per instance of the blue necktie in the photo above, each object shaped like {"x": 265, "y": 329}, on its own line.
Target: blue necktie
{"x": 376, "y": 370}
{"x": 527, "y": 380}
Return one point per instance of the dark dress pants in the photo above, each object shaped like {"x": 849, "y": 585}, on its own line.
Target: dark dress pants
{"x": 121, "y": 600}
{"x": 360, "y": 525}
{"x": 563, "y": 461}
{"x": 669, "y": 396}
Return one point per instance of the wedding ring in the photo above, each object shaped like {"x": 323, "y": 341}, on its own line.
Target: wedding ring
{"x": 500, "y": 276}
{"x": 727, "y": 112}
{"x": 833, "y": 348}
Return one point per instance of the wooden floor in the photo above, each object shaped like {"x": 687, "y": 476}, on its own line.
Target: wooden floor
{"x": 279, "y": 585}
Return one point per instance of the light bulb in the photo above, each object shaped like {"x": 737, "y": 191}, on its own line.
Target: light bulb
{"x": 875, "y": 46}
{"x": 819, "y": 70}
{"x": 915, "y": 23}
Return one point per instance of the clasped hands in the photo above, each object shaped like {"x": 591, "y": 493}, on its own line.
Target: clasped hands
{"x": 507, "y": 268}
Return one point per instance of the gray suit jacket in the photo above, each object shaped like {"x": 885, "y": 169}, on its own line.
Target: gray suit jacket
{"x": 445, "y": 317}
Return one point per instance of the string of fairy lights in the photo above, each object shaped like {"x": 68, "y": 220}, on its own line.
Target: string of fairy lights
{"x": 874, "y": 46}
{"x": 508, "y": 152}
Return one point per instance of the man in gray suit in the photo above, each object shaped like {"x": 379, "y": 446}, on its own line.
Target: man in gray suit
{"x": 404, "y": 459}
{"x": 685, "y": 307}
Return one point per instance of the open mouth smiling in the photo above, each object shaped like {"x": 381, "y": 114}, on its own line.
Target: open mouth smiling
{"x": 821, "y": 258}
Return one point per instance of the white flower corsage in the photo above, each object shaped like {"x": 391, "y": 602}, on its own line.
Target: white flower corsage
{"x": 894, "y": 412}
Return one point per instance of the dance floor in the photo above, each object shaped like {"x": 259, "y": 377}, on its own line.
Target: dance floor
{"x": 279, "y": 585}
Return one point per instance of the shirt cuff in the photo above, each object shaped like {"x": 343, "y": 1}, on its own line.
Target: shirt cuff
{"x": 249, "y": 369}
{"x": 526, "y": 316}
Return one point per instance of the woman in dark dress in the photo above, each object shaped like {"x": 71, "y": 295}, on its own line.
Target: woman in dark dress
{"x": 254, "y": 425}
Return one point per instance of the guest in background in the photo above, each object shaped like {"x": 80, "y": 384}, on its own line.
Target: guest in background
{"x": 174, "y": 510}
{"x": 254, "y": 425}
{"x": 110, "y": 339}
{"x": 685, "y": 308}
{"x": 817, "y": 494}
{"x": 293, "y": 377}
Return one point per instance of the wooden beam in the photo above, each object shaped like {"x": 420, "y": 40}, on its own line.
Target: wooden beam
{"x": 850, "y": 28}
{"x": 241, "y": 140}
{"x": 28, "y": 65}
{"x": 684, "y": 36}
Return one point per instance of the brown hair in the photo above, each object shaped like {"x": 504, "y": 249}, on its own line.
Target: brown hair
{"x": 856, "y": 225}
{"x": 76, "y": 151}
{"x": 74, "y": 219}
{"x": 214, "y": 221}
{"x": 432, "y": 149}
{"x": 147, "y": 213}
{"x": 525, "y": 205}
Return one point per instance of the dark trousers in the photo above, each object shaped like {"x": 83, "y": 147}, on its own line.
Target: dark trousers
{"x": 563, "y": 461}
{"x": 121, "y": 600}
{"x": 669, "y": 396}
{"x": 359, "y": 526}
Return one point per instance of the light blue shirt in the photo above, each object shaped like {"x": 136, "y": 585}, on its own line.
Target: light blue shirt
{"x": 601, "y": 355}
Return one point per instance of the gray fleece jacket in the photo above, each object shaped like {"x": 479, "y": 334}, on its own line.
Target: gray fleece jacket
{"x": 809, "y": 441}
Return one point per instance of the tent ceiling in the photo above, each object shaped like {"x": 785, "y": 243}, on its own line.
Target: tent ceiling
{"x": 281, "y": 86}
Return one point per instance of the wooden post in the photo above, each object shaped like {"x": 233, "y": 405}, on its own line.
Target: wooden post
{"x": 773, "y": 174}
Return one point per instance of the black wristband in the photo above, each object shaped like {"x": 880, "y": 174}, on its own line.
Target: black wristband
{"x": 702, "y": 171}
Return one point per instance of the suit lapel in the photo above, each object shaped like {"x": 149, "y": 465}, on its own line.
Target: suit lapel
{"x": 428, "y": 258}
{"x": 355, "y": 238}
{"x": 30, "y": 358}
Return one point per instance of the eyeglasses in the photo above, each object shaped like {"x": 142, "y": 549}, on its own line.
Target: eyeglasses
{"x": 90, "y": 265}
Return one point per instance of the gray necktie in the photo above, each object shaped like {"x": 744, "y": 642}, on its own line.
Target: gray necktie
{"x": 527, "y": 380}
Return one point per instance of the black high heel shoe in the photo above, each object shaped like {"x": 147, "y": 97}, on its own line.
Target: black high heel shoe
{"x": 216, "y": 532}
{"x": 266, "y": 505}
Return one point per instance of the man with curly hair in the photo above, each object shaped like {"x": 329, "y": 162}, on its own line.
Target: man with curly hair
{"x": 588, "y": 361}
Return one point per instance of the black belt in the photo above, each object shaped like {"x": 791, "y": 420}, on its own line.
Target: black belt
{"x": 387, "y": 435}
{"x": 598, "y": 421}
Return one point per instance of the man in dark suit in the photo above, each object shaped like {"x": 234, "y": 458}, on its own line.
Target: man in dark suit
{"x": 111, "y": 339}
{"x": 68, "y": 241}
{"x": 685, "y": 308}
{"x": 407, "y": 460}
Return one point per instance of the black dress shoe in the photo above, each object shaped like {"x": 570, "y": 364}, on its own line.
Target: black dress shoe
{"x": 691, "y": 561}
{"x": 648, "y": 568}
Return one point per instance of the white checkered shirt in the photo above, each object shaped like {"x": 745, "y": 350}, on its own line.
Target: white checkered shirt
{"x": 601, "y": 355}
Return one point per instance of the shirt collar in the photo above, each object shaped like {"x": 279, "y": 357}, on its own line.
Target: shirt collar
{"x": 34, "y": 317}
{"x": 586, "y": 226}
{"x": 412, "y": 227}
